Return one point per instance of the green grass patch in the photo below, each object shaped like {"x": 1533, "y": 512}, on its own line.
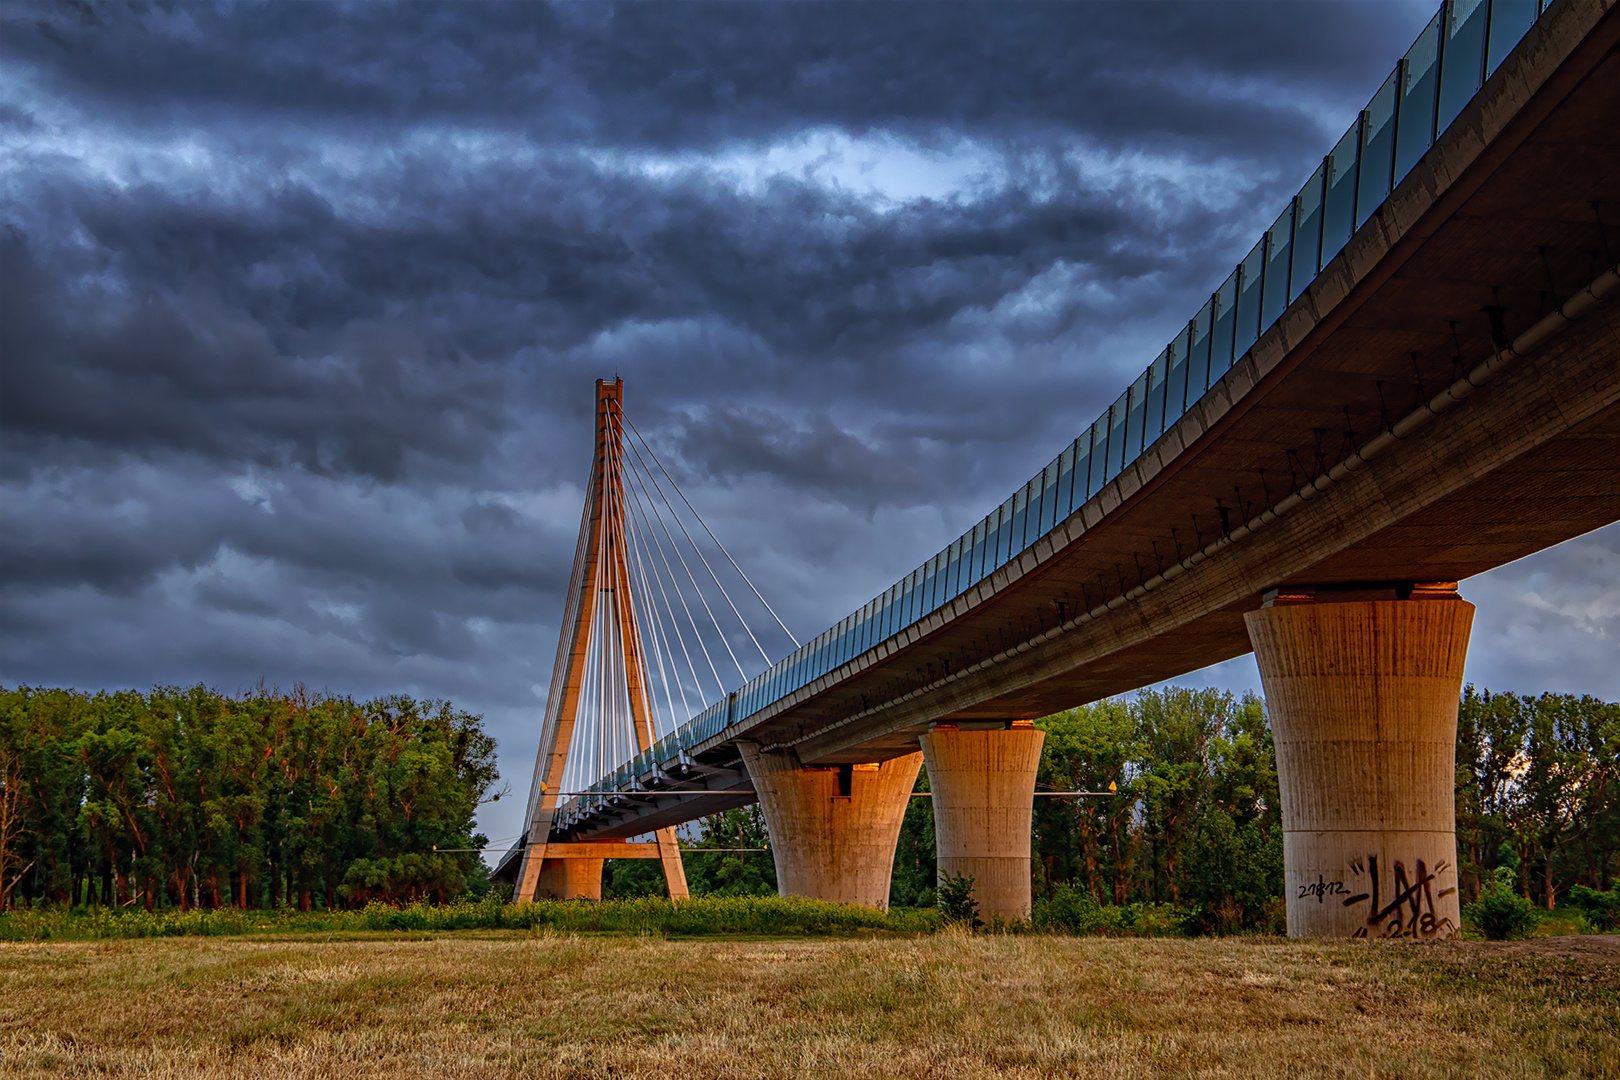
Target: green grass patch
{"x": 695, "y": 917}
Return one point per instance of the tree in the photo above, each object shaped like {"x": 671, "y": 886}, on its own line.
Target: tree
{"x": 913, "y": 882}
{"x": 732, "y": 873}
{"x": 1092, "y": 748}
{"x": 12, "y": 821}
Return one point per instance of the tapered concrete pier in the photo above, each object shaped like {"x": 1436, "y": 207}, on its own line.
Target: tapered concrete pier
{"x": 984, "y": 794}
{"x": 833, "y": 828}
{"x": 570, "y": 879}
{"x": 1363, "y": 702}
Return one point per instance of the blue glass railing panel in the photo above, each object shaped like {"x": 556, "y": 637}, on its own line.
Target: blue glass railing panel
{"x": 1510, "y": 19}
{"x": 1251, "y": 274}
{"x": 1050, "y": 477}
{"x": 1307, "y": 234}
{"x": 1279, "y": 256}
{"x": 1063, "y": 496}
{"x": 976, "y": 553}
{"x": 1339, "y": 210}
{"x": 1223, "y": 339}
{"x": 1020, "y": 510}
{"x": 1004, "y": 518}
{"x": 930, "y": 590}
{"x": 1157, "y": 378}
{"x": 1194, "y": 341}
{"x": 1420, "y": 88}
{"x": 1135, "y": 415}
{"x": 1462, "y": 64}
{"x": 1099, "y": 454}
{"x": 1082, "y": 471}
{"x": 1377, "y": 149}
{"x": 1116, "y": 435}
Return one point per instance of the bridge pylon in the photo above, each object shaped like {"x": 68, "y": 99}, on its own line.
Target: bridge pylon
{"x": 598, "y": 690}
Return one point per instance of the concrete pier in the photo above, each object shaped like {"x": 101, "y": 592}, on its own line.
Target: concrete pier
{"x": 833, "y": 828}
{"x": 984, "y": 794}
{"x": 570, "y": 879}
{"x": 1363, "y": 702}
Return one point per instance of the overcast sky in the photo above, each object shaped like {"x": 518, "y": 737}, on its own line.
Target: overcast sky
{"x": 302, "y": 306}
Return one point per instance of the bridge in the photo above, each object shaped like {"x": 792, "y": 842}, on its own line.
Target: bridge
{"x": 1411, "y": 378}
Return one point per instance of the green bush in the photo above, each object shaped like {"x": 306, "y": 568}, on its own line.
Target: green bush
{"x": 1072, "y": 910}
{"x": 1500, "y": 913}
{"x": 954, "y": 899}
{"x": 1602, "y": 909}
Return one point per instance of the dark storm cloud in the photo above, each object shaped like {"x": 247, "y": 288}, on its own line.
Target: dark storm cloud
{"x": 666, "y": 75}
{"x": 300, "y": 304}
{"x": 817, "y": 455}
{"x": 149, "y": 371}
{"x": 273, "y": 328}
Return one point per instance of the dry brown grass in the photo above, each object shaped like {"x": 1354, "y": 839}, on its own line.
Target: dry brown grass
{"x": 510, "y": 1005}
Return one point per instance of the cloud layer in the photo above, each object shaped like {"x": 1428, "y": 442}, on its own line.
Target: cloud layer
{"x": 302, "y": 305}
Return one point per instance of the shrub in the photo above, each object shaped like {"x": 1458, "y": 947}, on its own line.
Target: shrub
{"x": 954, "y": 898}
{"x": 1074, "y": 911}
{"x": 1500, "y": 913}
{"x": 1602, "y": 909}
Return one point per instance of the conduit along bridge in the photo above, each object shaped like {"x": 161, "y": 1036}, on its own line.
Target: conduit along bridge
{"x": 1413, "y": 377}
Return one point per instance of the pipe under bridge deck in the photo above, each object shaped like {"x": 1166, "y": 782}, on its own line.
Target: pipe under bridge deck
{"x": 1413, "y": 377}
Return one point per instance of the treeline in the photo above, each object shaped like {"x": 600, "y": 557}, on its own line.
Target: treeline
{"x": 186, "y": 798}
{"x": 1538, "y": 792}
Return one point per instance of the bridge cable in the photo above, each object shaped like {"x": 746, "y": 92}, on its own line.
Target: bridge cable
{"x": 746, "y": 579}
{"x": 675, "y": 547}
{"x": 652, "y": 514}
{"x": 660, "y": 636}
{"x": 763, "y": 654}
{"x": 635, "y": 621}
{"x": 644, "y": 535}
{"x": 643, "y": 559}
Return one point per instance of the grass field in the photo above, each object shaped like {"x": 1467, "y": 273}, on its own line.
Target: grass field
{"x": 515, "y": 1003}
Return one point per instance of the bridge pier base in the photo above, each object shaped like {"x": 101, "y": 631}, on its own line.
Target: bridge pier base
{"x": 833, "y": 828}
{"x": 565, "y": 879}
{"x": 1363, "y": 703}
{"x": 984, "y": 795}
{"x": 573, "y": 871}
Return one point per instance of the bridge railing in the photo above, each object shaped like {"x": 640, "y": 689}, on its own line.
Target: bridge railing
{"x": 1459, "y": 49}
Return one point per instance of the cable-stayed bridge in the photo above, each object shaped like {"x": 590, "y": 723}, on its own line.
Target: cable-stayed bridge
{"x": 1413, "y": 377}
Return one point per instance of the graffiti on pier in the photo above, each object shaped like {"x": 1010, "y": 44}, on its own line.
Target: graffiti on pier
{"x": 1321, "y": 888}
{"x": 1409, "y": 910}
